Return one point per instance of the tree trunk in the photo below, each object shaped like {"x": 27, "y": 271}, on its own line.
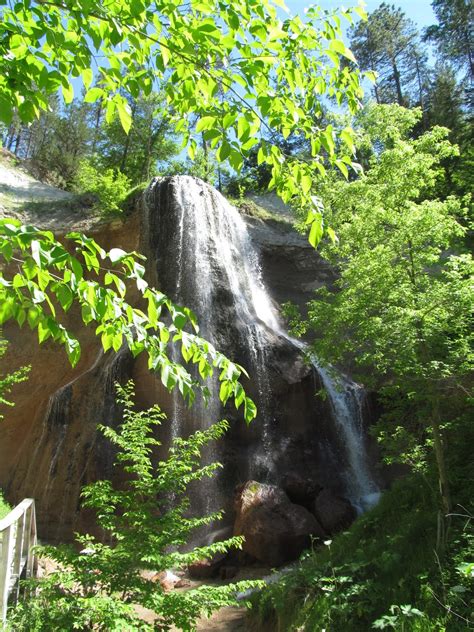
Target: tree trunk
{"x": 398, "y": 85}
{"x": 377, "y": 95}
{"x": 445, "y": 496}
{"x": 18, "y": 141}
{"x": 98, "y": 118}
{"x": 440, "y": 460}
{"x": 125, "y": 154}
{"x": 420, "y": 91}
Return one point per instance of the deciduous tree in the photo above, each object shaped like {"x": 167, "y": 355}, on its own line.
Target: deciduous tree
{"x": 270, "y": 70}
{"x": 401, "y": 313}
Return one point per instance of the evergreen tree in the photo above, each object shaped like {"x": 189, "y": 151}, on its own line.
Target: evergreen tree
{"x": 388, "y": 43}
{"x": 454, "y": 33}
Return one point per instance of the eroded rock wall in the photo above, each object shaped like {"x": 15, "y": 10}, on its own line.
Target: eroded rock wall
{"x": 49, "y": 445}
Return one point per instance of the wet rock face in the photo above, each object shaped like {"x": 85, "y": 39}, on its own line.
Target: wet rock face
{"x": 333, "y": 512}
{"x": 49, "y": 445}
{"x": 276, "y": 530}
{"x": 292, "y": 268}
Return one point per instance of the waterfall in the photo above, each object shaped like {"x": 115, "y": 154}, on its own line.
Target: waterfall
{"x": 346, "y": 399}
{"x": 207, "y": 261}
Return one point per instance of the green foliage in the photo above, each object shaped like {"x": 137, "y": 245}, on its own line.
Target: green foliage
{"x": 238, "y": 68}
{"x": 133, "y": 196}
{"x": 400, "y": 618}
{"x": 247, "y": 206}
{"x": 108, "y": 185}
{"x": 54, "y": 143}
{"x": 98, "y": 589}
{"x": 4, "y": 506}
{"x": 202, "y": 166}
{"x": 148, "y": 142}
{"x": 453, "y": 33}
{"x": 401, "y": 313}
{"x": 8, "y": 381}
{"x": 384, "y": 570}
{"x": 47, "y": 280}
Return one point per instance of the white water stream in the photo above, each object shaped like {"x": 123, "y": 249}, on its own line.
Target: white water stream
{"x": 214, "y": 253}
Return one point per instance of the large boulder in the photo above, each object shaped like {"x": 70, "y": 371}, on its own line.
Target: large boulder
{"x": 300, "y": 489}
{"x": 275, "y": 530}
{"x": 333, "y": 512}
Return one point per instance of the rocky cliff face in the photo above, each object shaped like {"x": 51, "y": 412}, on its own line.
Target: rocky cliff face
{"x": 49, "y": 446}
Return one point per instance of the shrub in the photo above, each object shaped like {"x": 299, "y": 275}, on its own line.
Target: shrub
{"x": 110, "y": 186}
{"x": 143, "y": 530}
{"x": 4, "y": 506}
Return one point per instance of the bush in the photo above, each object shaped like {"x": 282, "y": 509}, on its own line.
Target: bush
{"x": 101, "y": 589}
{"x": 110, "y": 186}
{"x": 4, "y": 506}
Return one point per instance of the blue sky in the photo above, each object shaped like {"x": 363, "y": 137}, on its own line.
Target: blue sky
{"x": 419, "y": 11}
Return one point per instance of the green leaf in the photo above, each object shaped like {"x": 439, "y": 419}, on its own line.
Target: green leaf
{"x": 332, "y": 235}
{"x": 6, "y": 110}
{"x": 243, "y": 128}
{"x": 342, "y": 168}
{"x": 306, "y": 183}
{"x": 361, "y": 12}
{"x": 165, "y": 55}
{"x": 65, "y": 296}
{"x": 340, "y": 48}
{"x": 192, "y": 149}
{"x": 250, "y": 410}
{"x": 224, "y": 151}
{"x": 206, "y": 122}
{"x": 316, "y": 232}
{"x": 87, "y": 77}
{"x": 93, "y": 94}
{"x": 125, "y": 114}
{"x": 68, "y": 91}
{"x": 110, "y": 111}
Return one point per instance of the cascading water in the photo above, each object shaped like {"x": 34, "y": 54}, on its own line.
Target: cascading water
{"x": 346, "y": 399}
{"x": 214, "y": 256}
{"x": 206, "y": 260}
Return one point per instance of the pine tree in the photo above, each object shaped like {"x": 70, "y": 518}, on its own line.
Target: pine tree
{"x": 454, "y": 33}
{"x": 388, "y": 43}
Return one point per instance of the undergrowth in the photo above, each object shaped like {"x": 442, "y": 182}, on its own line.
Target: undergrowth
{"x": 385, "y": 572}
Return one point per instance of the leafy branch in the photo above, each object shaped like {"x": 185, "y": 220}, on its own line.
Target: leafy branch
{"x": 50, "y": 280}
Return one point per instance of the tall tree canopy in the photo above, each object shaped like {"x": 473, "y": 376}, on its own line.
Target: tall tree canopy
{"x": 402, "y": 310}
{"x": 388, "y": 44}
{"x": 454, "y": 33}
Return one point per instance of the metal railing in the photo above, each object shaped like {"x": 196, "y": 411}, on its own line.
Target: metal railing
{"x": 17, "y": 558}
